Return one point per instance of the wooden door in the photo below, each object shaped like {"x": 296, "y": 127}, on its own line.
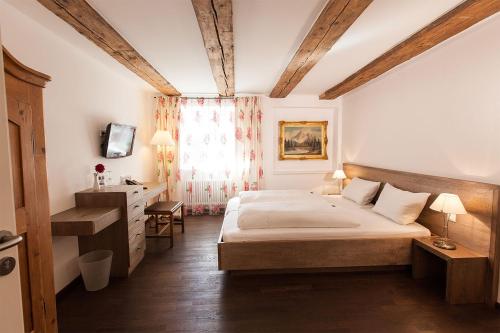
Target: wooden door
{"x": 10, "y": 288}
{"x": 25, "y": 121}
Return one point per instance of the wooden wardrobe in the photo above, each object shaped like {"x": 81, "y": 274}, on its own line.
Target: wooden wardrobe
{"x": 27, "y": 145}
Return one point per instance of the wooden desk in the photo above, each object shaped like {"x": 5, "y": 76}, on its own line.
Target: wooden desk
{"x": 153, "y": 189}
{"x": 465, "y": 270}
{"x": 111, "y": 218}
{"x": 83, "y": 221}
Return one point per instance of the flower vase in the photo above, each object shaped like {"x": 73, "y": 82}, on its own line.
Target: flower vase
{"x": 97, "y": 186}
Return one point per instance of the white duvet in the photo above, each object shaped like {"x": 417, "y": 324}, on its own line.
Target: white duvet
{"x": 290, "y": 209}
{"x": 274, "y": 196}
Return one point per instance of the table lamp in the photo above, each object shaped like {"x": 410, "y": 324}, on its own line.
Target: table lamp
{"x": 340, "y": 175}
{"x": 450, "y": 205}
{"x": 162, "y": 138}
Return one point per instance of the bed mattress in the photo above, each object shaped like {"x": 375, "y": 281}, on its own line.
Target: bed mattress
{"x": 372, "y": 225}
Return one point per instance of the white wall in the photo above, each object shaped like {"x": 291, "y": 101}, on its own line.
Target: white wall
{"x": 438, "y": 114}
{"x": 83, "y": 96}
{"x": 308, "y": 174}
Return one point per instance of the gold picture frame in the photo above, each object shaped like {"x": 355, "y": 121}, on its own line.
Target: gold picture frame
{"x": 303, "y": 140}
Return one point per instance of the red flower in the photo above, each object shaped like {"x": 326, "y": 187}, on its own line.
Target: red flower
{"x": 100, "y": 168}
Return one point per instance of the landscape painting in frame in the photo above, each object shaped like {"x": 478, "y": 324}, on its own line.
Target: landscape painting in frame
{"x": 303, "y": 140}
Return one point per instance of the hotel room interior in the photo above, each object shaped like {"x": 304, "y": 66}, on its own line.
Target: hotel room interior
{"x": 250, "y": 166}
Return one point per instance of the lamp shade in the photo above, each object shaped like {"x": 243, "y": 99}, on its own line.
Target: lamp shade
{"x": 339, "y": 174}
{"x": 448, "y": 203}
{"x": 162, "y": 138}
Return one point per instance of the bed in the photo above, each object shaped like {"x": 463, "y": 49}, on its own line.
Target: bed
{"x": 377, "y": 243}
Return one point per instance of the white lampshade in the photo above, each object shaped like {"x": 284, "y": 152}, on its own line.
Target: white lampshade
{"x": 339, "y": 174}
{"x": 162, "y": 138}
{"x": 448, "y": 203}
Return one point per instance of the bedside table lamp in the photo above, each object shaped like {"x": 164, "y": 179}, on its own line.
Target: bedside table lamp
{"x": 451, "y": 205}
{"x": 340, "y": 175}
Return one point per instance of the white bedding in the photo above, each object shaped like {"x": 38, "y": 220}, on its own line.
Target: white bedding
{"x": 274, "y": 196}
{"x": 294, "y": 214}
{"x": 371, "y": 225}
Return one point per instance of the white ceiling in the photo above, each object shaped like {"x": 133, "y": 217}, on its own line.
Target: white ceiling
{"x": 384, "y": 24}
{"x": 266, "y": 35}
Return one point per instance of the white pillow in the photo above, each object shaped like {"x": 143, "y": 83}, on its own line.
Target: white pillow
{"x": 402, "y": 207}
{"x": 361, "y": 191}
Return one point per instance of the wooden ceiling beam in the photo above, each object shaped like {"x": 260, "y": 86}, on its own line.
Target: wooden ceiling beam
{"x": 87, "y": 21}
{"x": 453, "y": 22}
{"x": 215, "y": 18}
{"x": 332, "y": 23}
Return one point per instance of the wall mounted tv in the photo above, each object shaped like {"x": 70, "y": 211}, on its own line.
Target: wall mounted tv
{"x": 118, "y": 140}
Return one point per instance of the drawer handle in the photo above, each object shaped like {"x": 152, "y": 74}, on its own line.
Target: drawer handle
{"x": 138, "y": 220}
{"x": 138, "y": 248}
{"x": 136, "y": 192}
{"x": 137, "y": 206}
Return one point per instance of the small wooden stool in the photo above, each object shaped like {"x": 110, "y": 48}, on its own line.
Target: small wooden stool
{"x": 167, "y": 208}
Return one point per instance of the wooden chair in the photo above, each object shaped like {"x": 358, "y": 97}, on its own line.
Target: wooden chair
{"x": 167, "y": 208}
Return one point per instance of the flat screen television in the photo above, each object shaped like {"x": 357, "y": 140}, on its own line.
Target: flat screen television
{"x": 118, "y": 140}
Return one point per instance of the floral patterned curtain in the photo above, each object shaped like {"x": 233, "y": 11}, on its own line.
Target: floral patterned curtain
{"x": 207, "y": 153}
{"x": 220, "y": 151}
{"x": 167, "y": 117}
{"x": 248, "y": 169}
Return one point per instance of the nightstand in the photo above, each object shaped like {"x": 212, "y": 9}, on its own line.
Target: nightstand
{"x": 465, "y": 270}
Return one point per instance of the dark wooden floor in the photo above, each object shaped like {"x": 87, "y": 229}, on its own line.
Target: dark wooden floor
{"x": 180, "y": 290}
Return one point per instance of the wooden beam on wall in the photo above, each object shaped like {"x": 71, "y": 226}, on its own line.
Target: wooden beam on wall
{"x": 81, "y": 16}
{"x": 332, "y": 23}
{"x": 215, "y": 18}
{"x": 455, "y": 21}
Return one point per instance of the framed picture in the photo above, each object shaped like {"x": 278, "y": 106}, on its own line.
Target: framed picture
{"x": 303, "y": 140}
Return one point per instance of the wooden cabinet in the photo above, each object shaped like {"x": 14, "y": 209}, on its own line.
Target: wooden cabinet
{"x": 23, "y": 89}
{"x": 127, "y": 237}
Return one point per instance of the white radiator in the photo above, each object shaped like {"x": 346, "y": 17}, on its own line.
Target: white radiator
{"x": 206, "y": 196}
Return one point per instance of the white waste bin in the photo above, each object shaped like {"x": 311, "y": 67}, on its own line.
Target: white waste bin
{"x": 95, "y": 267}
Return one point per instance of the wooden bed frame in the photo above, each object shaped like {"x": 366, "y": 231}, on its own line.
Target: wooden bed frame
{"x": 476, "y": 230}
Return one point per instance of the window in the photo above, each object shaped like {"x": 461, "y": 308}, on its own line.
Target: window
{"x": 207, "y": 139}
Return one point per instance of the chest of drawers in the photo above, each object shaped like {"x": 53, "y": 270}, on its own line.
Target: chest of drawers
{"x": 127, "y": 237}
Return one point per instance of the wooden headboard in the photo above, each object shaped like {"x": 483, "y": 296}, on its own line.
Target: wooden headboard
{"x": 477, "y": 230}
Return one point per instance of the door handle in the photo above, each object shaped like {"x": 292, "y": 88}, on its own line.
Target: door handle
{"x": 7, "y": 240}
